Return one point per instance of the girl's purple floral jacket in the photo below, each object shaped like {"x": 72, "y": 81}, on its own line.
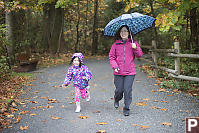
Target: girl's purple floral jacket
{"x": 76, "y": 73}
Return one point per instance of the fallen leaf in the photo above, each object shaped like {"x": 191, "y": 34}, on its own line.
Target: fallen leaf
{"x": 164, "y": 109}
{"x": 101, "y": 131}
{"x": 141, "y": 104}
{"x": 169, "y": 95}
{"x": 24, "y": 112}
{"x": 55, "y": 118}
{"x": 164, "y": 101}
{"x": 33, "y": 114}
{"x": 97, "y": 111}
{"x": 102, "y": 123}
{"x": 155, "y": 107}
{"x": 144, "y": 127}
{"x": 166, "y": 123}
{"x": 11, "y": 115}
{"x": 33, "y": 102}
{"x": 18, "y": 119}
{"x": 44, "y": 97}
{"x": 187, "y": 111}
{"x": 119, "y": 120}
{"x": 72, "y": 102}
{"x": 48, "y": 106}
{"x": 135, "y": 125}
{"x": 146, "y": 99}
{"x": 23, "y": 128}
{"x": 83, "y": 117}
{"x": 162, "y": 90}
{"x": 43, "y": 120}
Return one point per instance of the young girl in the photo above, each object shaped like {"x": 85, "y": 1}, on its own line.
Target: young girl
{"x": 80, "y": 75}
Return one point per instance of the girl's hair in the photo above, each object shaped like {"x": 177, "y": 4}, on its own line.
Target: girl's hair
{"x": 80, "y": 64}
{"x": 117, "y": 35}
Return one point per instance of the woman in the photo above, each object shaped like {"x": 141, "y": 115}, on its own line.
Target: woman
{"x": 121, "y": 59}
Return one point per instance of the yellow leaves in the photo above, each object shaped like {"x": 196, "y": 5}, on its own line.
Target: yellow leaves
{"x": 82, "y": 117}
{"x": 101, "y": 123}
{"x": 147, "y": 10}
{"x": 23, "y": 128}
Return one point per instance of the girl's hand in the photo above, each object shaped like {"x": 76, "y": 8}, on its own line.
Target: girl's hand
{"x": 134, "y": 46}
{"x": 117, "y": 70}
{"x": 63, "y": 85}
{"x": 85, "y": 78}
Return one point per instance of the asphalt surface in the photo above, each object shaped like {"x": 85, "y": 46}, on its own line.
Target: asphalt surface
{"x": 149, "y": 110}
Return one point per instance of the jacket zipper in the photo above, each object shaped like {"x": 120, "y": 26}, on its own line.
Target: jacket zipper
{"x": 124, "y": 54}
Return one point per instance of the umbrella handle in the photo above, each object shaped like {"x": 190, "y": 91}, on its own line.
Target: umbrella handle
{"x": 131, "y": 37}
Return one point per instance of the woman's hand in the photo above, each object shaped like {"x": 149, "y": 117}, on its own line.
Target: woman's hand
{"x": 133, "y": 45}
{"x": 117, "y": 70}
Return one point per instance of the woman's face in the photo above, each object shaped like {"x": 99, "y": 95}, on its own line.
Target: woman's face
{"x": 76, "y": 62}
{"x": 124, "y": 33}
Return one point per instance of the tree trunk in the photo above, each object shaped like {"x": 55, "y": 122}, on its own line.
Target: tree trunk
{"x": 153, "y": 13}
{"x": 49, "y": 13}
{"x": 85, "y": 27}
{"x": 77, "y": 28}
{"x": 95, "y": 26}
{"x": 56, "y": 30}
{"x": 9, "y": 25}
{"x": 194, "y": 28}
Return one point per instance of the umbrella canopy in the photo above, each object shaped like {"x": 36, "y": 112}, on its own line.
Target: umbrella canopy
{"x": 135, "y": 21}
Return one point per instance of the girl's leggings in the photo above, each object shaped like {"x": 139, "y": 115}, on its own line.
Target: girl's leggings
{"x": 80, "y": 92}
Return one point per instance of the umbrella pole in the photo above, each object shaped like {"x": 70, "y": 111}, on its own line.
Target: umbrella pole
{"x": 131, "y": 37}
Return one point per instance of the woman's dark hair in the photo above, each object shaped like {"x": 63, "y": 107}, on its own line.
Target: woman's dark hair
{"x": 117, "y": 35}
{"x": 80, "y": 64}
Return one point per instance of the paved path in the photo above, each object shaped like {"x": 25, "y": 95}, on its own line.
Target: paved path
{"x": 160, "y": 106}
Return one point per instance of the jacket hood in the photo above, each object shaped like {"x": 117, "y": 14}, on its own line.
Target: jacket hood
{"x": 80, "y": 55}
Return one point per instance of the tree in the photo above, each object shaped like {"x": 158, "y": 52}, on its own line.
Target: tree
{"x": 95, "y": 26}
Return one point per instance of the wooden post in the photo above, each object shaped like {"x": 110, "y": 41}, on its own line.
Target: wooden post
{"x": 154, "y": 55}
{"x": 177, "y": 59}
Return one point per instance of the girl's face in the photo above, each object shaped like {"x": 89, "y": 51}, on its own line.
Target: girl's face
{"x": 76, "y": 62}
{"x": 124, "y": 33}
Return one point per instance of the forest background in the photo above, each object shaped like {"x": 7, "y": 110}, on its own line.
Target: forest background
{"x": 54, "y": 28}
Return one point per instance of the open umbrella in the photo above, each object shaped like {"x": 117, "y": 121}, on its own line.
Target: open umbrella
{"x": 135, "y": 21}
